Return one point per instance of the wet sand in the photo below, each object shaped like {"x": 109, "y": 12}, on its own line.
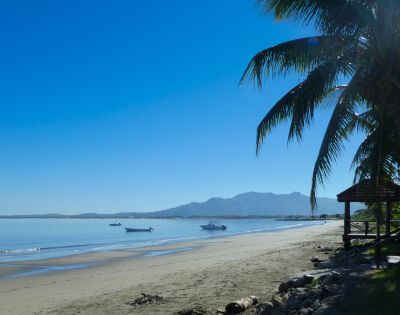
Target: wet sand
{"x": 206, "y": 273}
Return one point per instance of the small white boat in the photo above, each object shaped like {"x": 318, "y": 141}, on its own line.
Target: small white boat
{"x": 139, "y": 230}
{"x": 213, "y": 226}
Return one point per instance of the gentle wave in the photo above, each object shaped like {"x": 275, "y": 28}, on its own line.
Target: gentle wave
{"x": 49, "y": 248}
{"x": 20, "y": 251}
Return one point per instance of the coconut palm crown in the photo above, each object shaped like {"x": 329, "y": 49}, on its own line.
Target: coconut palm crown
{"x": 358, "y": 40}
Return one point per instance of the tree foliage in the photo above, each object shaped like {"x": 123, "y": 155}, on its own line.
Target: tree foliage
{"x": 358, "y": 40}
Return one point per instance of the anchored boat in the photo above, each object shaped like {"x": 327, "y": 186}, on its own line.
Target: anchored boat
{"x": 213, "y": 226}
{"x": 139, "y": 230}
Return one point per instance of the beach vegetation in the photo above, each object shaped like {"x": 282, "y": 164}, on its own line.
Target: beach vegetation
{"x": 351, "y": 67}
{"x": 314, "y": 282}
{"x": 363, "y": 215}
{"x": 392, "y": 249}
{"x": 376, "y": 294}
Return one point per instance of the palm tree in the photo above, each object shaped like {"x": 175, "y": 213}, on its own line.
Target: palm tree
{"x": 358, "y": 40}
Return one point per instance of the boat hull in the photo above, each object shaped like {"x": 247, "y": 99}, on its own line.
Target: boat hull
{"x": 213, "y": 228}
{"x": 138, "y": 230}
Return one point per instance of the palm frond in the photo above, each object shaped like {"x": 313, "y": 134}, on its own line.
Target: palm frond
{"x": 300, "y": 102}
{"x": 359, "y": 41}
{"x": 314, "y": 90}
{"x": 377, "y": 158}
{"x": 299, "y": 55}
{"x": 331, "y": 17}
{"x": 336, "y": 133}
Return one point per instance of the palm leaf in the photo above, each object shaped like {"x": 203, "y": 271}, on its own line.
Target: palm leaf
{"x": 336, "y": 133}
{"x": 360, "y": 41}
{"x": 299, "y": 55}
{"x": 330, "y": 16}
{"x": 300, "y": 102}
{"x": 377, "y": 158}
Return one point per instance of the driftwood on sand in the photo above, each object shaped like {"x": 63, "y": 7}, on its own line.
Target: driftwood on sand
{"x": 241, "y": 305}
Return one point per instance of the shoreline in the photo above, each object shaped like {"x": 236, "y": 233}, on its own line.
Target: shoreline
{"x": 228, "y": 267}
{"x": 37, "y": 253}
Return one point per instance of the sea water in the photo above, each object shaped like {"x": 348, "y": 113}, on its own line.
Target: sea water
{"x": 27, "y": 239}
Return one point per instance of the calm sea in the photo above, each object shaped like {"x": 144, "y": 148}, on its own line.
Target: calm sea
{"x": 26, "y": 239}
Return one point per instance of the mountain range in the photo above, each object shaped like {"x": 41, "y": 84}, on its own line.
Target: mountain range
{"x": 257, "y": 204}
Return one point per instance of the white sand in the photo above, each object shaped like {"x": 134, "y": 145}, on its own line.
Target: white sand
{"x": 210, "y": 275}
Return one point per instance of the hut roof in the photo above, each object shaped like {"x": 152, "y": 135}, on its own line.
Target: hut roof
{"x": 365, "y": 192}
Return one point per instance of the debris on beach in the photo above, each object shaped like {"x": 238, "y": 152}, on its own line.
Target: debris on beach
{"x": 146, "y": 299}
{"x": 241, "y": 305}
{"x": 316, "y": 260}
{"x": 192, "y": 311}
{"x": 326, "y": 249}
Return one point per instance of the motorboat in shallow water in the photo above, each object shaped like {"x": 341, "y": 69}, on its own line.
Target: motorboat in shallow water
{"x": 139, "y": 230}
{"x": 213, "y": 226}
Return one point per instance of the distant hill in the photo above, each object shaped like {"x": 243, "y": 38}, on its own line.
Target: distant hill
{"x": 256, "y": 204}
{"x": 247, "y": 204}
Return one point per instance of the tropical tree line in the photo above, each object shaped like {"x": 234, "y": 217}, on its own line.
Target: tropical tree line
{"x": 358, "y": 41}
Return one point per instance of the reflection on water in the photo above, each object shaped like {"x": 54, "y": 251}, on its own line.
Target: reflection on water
{"x": 167, "y": 252}
{"x": 38, "y": 270}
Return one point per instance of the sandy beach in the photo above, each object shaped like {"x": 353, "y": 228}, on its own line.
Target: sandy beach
{"x": 207, "y": 273}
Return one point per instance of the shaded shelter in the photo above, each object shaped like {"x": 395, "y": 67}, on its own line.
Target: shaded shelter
{"x": 370, "y": 193}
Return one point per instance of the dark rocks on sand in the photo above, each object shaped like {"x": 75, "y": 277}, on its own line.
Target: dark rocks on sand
{"x": 192, "y": 311}
{"x": 314, "y": 293}
{"x": 324, "y": 265}
{"x": 326, "y": 249}
{"x": 315, "y": 306}
{"x": 265, "y": 309}
{"x": 324, "y": 292}
{"x": 332, "y": 278}
{"x": 305, "y": 311}
{"x": 276, "y": 300}
{"x": 307, "y": 303}
{"x": 316, "y": 260}
{"x": 146, "y": 299}
{"x": 302, "y": 296}
{"x": 292, "y": 303}
{"x": 332, "y": 289}
{"x": 308, "y": 278}
{"x": 301, "y": 282}
{"x": 285, "y": 286}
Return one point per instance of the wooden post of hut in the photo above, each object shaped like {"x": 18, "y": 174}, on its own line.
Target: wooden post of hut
{"x": 378, "y": 234}
{"x": 347, "y": 229}
{"x": 388, "y": 217}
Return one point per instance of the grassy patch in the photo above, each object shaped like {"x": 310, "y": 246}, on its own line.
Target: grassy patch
{"x": 314, "y": 283}
{"x": 387, "y": 249}
{"x": 377, "y": 294}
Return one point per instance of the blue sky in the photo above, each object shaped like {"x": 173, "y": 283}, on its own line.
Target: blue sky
{"x": 126, "y": 105}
